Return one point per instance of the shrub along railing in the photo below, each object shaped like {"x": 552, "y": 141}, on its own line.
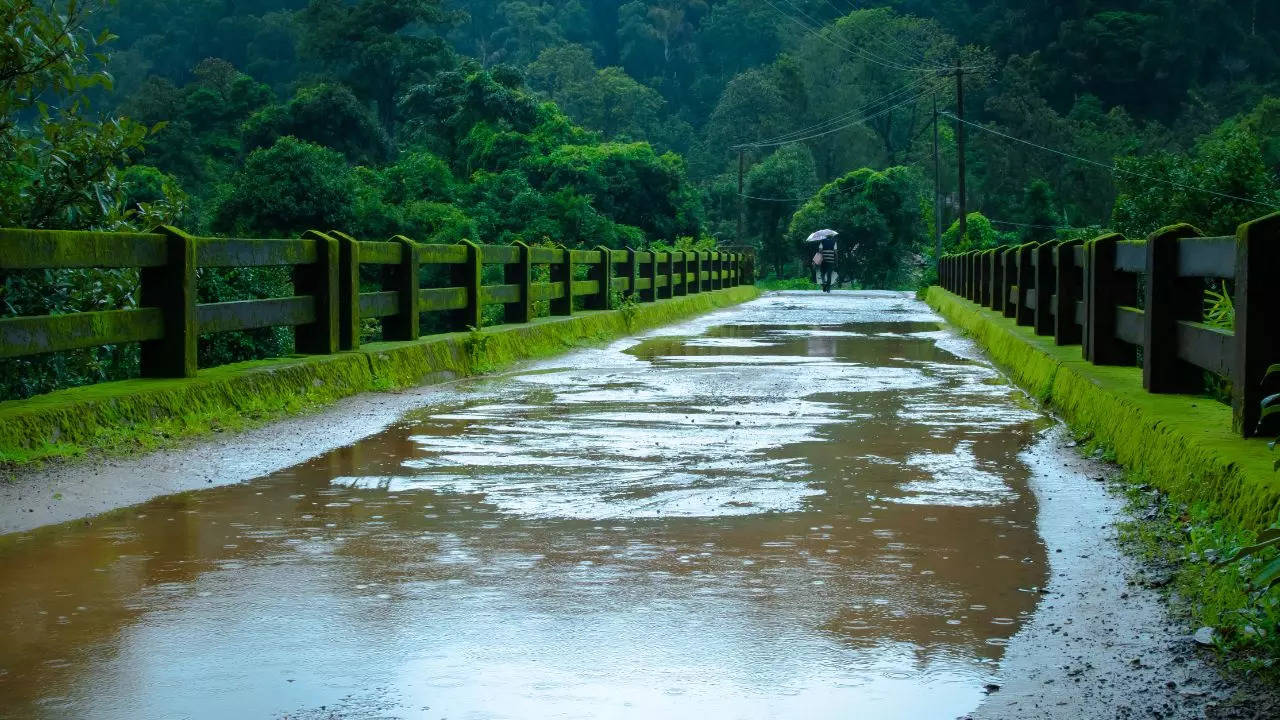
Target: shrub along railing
{"x": 1120, "y": 298}
{"x": 327, "y": 308}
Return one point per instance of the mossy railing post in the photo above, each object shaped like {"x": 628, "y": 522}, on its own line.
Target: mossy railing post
{"x": 693, "y": 274}
{"x": 1008, "y": 281}
{"x": 1169, "y": 300}
{"x": 562, "y": 272}
{"x": 679, "y": 273}
{"x": 468, "y": 275}
{"x": 321, "y": 280}
{"x": 650, "y": 294}
{"x": 348, "y": 290}
{"x": 975, "y": 280}
{"x": 406, "y": 323}
{"x": 984, "y": 279}
{"x": 631, "y": 271}
{"x": 603, "y": 275}
{"x": 971, "y": 282}
{"x": 1107, "y": 290}
{"x": 1042, "y": 262}
{"x": 704, "y": 268}
{"x": 664, "y": 271}
{"x": 1026, "y": 285}
{"x": 172, "y": 288}
{"x": 717, "y": 270}
{"x": 520, "y": 273}
{"x": 1257, "y": 328}
{"x": 1068, "y": 282}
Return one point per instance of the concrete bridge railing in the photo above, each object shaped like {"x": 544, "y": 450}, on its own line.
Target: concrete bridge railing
{"x": 1122, "y": 300}
{"x": 328, "y": 306}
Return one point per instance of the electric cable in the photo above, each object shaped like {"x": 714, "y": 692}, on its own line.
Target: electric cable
{"x": 1105, "y": 166}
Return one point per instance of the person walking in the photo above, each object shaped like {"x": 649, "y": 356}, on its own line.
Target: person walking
{"x": 824, "y": 260}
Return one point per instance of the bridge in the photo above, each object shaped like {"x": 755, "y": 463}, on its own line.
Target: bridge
{"x": 789, "y": 505}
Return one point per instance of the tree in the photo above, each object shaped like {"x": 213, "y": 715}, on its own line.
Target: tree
{"x": 328, "y": 115}
{"x": 1038, "y": 213}
{"x": 787, "y": 174}
{"x": 286, "y": 189}
{"x": 372, "y": 48}
{"x": 878, "y": 217}
{"x": 59, "y": 166}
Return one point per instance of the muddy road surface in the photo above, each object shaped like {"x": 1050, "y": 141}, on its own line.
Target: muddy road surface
{"x": 816, "y": 506}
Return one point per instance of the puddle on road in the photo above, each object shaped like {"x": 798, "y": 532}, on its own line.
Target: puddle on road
{"x": 808, "y": 506}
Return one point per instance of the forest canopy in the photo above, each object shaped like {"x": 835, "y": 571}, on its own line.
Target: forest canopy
{"x": 631, "y": 123}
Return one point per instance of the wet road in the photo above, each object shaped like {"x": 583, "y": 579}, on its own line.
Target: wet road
{"x": 807, "y": 506}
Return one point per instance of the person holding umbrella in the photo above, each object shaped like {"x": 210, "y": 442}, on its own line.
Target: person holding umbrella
{"x": 824, "y": 260}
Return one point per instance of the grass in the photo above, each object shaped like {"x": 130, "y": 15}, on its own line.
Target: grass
{"x": 786, "y": 284}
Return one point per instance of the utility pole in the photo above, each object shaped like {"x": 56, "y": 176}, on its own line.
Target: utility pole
{"x": 964, "y": 201}
{"x": 741, "y": 200}
{"x": 937, "y": 187}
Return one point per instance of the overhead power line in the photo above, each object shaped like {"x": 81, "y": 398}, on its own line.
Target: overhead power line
{"x": 851, "y": 123}
{"x": 1105, "y": 166}
{"x": 779, "y": 200}
{"x": 841, "y": 117}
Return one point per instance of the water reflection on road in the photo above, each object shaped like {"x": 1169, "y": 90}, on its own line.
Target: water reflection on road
{"x": 808, "y": 506}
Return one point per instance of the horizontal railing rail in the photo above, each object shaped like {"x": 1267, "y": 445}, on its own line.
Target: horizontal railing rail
{"x": 1122, "y": 300}
{"x": 327, "y": 307}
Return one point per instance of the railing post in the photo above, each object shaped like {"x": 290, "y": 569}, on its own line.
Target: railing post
{"x": 1008, "y": 280}
{"x": 983, "y": 275}
{"x": 1257, "y": 329}
{"x": 1105, "y": 293}
{"x": 348, "y": 290}
{"x": 1068, "y": 283}
{"x": 320, "y": 280}
{"x": 603, "y": 274}
{"x": 717, "y": 270}
{"x": 467, "y": 275}
{"x": 172, "y": 288}
{"x": 520, "y": 273}
{"x": 651, "y": 295}
{"x": 563, "y": 273}
{"x": 1042, "y": 316}
{"x": 971, "y": 289}
{"x": 1026, "y": 282}
{"x": 405, "y": 324}
{"x": 1169, "y": 299}
{"x": 679, "y": 273}
{"x": 631, "y": 271}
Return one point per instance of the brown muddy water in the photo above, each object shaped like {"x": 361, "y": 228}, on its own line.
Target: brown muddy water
{"x": 807, "y": 506}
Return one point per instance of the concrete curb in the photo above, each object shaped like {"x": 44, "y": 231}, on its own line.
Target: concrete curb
{"x": 144, "y": 413}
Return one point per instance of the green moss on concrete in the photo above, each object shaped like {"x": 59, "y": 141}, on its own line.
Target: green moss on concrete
{"x": 147, "y": 413}
{"x": 1183, "y": 442}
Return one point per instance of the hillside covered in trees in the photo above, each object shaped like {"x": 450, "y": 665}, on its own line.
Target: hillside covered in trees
{"x": 626, "y": 123}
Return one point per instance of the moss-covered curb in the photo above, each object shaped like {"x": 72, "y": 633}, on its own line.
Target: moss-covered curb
{"x": 1183, "y": 444}
{"x": 137, "y": 414}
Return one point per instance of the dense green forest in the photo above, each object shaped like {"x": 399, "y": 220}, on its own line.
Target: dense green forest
{"x": 624, "y": 124}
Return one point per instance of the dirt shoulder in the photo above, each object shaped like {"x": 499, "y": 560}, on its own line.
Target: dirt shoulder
{"x": 1101, "y": 644}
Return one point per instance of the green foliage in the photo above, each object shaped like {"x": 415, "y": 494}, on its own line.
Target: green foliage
{"x": 1229, "y": 161}
{"x": 980, "y": 234}
{"x": 328, "y": 115}
{"x": 786, "y": 174}
{"x": 877, "y": 217}
{"x": 286, "y": 189}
